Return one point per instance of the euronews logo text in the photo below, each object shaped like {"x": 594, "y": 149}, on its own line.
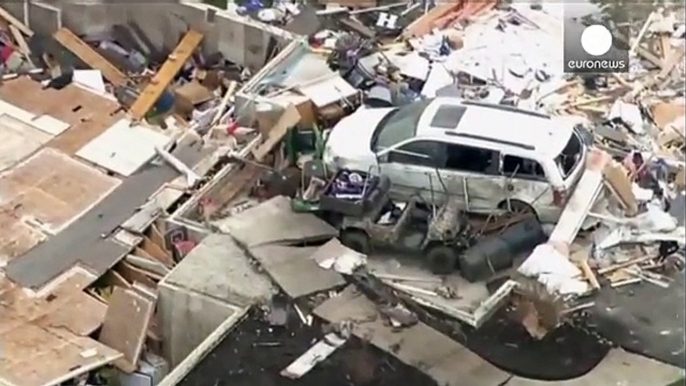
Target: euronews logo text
{"x": 593, "y": 49}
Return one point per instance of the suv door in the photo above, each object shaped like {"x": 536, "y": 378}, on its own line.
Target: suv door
{"x": 526, "y": 181}
{"x": 473, "y": 171}
{"x": 411, "y": 167}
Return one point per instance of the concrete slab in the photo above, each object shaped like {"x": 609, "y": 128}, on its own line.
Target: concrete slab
{"x": 124, "y": 149}
{"x": 18, "y": 140}
{"x": 289, "y": 265}
{"x": 212, "y": 283}
{"x": 82, "y": 242}
{"x": 219, "y": 268}
{"x": 273, "y": 221}
{"x": 435, "y": 354}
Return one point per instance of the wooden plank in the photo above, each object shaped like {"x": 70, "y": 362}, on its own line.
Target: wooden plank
{"x": 21, "y": 42}
{"x": 116, "y": 279}
{"x": 93, "y": 59}
{"x": 424, "y": 24}
{"x": 147, "y": 264}
{"x": 82, "y": 317}
{"x": 125, "y": 326}
{"x": 15, "y": 22}
{"x": 134, "y": 275}
{"x": 157, "y": 252}
{"x": 166, "y": 74}
{"x": 287, "y": 120}
{"x": 588, "y": 273}
{"x": 616, "y": 175}
{"x": 157, "y": 237}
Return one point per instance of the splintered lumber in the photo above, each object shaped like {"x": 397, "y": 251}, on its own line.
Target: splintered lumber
{"x": 588, "y": 273}
{"x": 166, "y": 74}
{"x": 93, "y": 59}
{"x": 15, "y": 22}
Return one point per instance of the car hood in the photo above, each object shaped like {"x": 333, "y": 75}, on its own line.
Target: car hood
{"x": 350, "y": 139}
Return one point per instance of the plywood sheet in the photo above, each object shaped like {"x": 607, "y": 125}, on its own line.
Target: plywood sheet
{"x": 46, "y": 192}
{"x": 126, "y": 323}
{"x": 43, "y": 337}
{"x": 18, "y": 140}
{"x": 35, "y": 356}
{"x": 87, "y": 115}
{"x": 42, "y": 122}
{"x": 122, "y": 148}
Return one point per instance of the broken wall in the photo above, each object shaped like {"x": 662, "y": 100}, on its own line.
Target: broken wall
{"x": 240, "y": 40}
{"x": 212, "y": 283}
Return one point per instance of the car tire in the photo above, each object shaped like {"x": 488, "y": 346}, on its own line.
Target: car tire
{"x": 442, "y": 259}
{"x": 356, "y": 240}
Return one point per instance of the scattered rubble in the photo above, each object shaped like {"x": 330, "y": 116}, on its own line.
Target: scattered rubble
{"x": 410, "y": 177}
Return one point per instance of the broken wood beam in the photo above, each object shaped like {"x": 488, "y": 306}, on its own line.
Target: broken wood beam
{"x": 21, "y": 42}
{"x": 91, "y": 57}
{"x": 588, "y": 273}
{"x": 233, "y": 86}
{"x": 15, "y": 22}
{"x": 166, "y": 74}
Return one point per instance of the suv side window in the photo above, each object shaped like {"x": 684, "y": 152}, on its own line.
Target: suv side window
{"x": 522, "y": 168}
{"x": 471, "y": 159}
{"x": 410, "y": 153}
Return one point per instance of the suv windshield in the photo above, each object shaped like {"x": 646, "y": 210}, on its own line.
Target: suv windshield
{"x": 399, "y": 125}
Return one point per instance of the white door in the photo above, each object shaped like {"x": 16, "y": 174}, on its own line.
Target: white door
{"x": 411, "y": 167}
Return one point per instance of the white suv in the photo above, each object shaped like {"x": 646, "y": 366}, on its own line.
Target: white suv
{"x": 491, "y": 157}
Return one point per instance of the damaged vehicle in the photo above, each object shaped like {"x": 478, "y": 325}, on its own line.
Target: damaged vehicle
{"x": 492, "y": 158}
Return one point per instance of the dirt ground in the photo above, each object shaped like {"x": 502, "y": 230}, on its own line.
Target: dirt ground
{"x": 255, "y": 353}
{"x": 564, "y": 353}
